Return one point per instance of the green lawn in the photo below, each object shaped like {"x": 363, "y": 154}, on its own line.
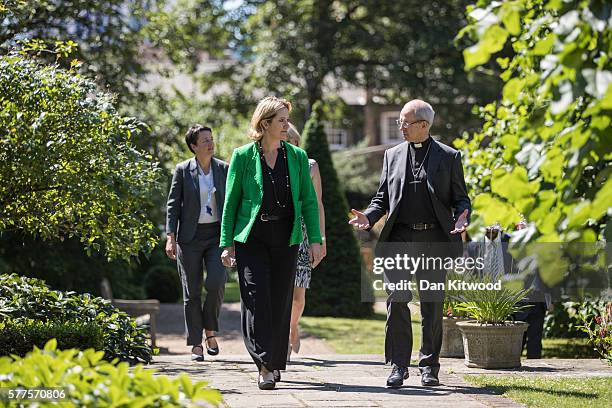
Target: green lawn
{"x": 367, "y": 336}
{"x": 356, "y": 336}
{"x": 567, "y": 348}
{"x": 546, "y": 392}
{"x": 232, "y": 292}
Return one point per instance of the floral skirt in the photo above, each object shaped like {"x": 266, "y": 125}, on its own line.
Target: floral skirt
{"x": 304, "y": 269}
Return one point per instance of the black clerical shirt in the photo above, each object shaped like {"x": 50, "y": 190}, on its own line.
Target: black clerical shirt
{"x": 415, "y": 205}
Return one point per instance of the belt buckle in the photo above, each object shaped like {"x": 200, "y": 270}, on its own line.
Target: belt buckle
{"x": 419, "y": 226}
{"x": 261, "y": 217}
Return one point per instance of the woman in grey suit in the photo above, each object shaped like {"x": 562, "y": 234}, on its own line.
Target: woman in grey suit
{"x": 194, "y": 211}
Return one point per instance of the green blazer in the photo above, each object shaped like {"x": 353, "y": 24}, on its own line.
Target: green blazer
{"x": 244, "y": 194}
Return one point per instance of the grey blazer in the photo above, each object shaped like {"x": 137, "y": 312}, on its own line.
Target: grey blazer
{"x": 445, "y": 182}
{"x": 183, "y": 208}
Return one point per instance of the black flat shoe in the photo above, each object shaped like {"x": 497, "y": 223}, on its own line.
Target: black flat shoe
{"x": 429, "y": 380}
{"x": 197, "y": 356}
{"x": 264, "y": 384}
{"x": 213, "y": 351}
{"x": 397, "y": 377}
{"x": 277, "y": 375}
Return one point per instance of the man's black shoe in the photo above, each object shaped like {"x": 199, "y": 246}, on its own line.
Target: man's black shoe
{"x": 397, "y": 377}
{"x": 429, "y": 380}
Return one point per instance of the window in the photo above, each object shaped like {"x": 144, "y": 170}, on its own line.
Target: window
{"x": 336, "y": 138}
{"x": 389, "y": 133}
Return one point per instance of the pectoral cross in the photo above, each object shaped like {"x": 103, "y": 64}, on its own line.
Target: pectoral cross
{"x": 415, "y": 182}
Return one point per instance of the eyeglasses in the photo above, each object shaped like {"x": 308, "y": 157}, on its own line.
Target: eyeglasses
{"x": 401, "y": 125}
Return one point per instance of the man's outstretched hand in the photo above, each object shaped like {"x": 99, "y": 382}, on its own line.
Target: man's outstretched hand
{"x": 461, "y": 223}
{"x": 360, "y": 221}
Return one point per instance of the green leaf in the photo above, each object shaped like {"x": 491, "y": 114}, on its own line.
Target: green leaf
{"x": 544, "y": 46}
{"x": 511, "y": 18}
{"x": 545, "y": 200}
{"x": 602, "y": 204}
{"x": 606, "y": 101}
{"x": 494, "y": 210}
{"x": 187, "y": 385}
{"x": 51, "y": 345}
{"x": 512, "y": 89}
{"x": 513, "y": 185}
{"x": 491, "y": 42}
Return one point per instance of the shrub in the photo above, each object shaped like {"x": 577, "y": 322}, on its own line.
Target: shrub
{"x": 87, "y": 380}
{"x": 358, "y": 174}
{"x": 20, "y": 336}
{"x": 336, "y": 282}
{"x": 162, "y": 282}
{"x": 566, "y": 318}
{"x": 600, "y": 336}
{"x": 28, "y": 298}
{"x": 70, "y": 167}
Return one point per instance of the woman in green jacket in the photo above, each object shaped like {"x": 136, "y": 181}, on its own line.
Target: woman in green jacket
{"x": 268, "y": 190}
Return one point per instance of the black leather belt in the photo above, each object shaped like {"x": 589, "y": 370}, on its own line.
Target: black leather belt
{"x": 421, "y": 226}
{"x": 267, "y": 217}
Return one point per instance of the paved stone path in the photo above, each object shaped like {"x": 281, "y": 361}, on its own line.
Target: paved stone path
{"x": 171, "y": 332}
{"x": 326, "y": 381}
{"x": 318, "y": 378}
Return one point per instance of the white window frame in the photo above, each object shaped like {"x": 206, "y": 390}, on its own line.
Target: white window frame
{"x": 329, "y": 129}
{"x": 385, "y": 131}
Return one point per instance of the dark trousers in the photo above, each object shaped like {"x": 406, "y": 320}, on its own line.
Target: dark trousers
{"x": 398, "y": 330}
{"x": 266, "y": 271}
{"x": 533, "y": 336}
{"x": 202, "y": 250}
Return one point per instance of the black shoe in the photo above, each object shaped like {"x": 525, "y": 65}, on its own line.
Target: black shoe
{"x": 397, "y": 377}
{"x": 428, "y": 379}
{"x": 277, "y": 376}
{"x": 195, "y": 355}
{"x": 265, "y": 384}
{"x": 213, "y": 351}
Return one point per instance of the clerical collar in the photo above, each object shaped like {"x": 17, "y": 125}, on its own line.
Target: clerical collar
{"x": 422, "y": 144}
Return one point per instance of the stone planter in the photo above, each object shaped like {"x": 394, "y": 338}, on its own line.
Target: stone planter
{"x": 452, "y": 340}
{"x": 492, "y": 346}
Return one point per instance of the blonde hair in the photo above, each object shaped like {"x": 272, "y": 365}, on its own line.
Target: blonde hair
{"x": 266, "y": 109}
{"x": 293, "y": 134}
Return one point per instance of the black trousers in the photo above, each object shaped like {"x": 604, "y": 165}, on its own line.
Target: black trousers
{"x": 533, "y": 336}
{"x": 266, "y": 271}
{"x": 202, "y": 250}
{"x": 398, "y": 330}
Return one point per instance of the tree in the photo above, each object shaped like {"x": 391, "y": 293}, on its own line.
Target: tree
{"x": 337, "y": 282}
{"x": 548, "y": 155}
{"x": 548, "y": 144}
{"x": 400, "y": 50}
{"x": 69, "y": 166}
{"x": 119, "y": 41}
{"x": 121, "y": 45}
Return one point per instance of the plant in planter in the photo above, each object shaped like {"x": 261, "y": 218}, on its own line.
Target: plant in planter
{"x": 452, "y": 340}
{"x": 491, "y": 341}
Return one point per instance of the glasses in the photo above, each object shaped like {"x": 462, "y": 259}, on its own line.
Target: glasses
{"x": 401, "y": 125}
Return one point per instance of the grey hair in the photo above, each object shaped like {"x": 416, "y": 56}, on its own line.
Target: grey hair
{"x": 424, "y": 111}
